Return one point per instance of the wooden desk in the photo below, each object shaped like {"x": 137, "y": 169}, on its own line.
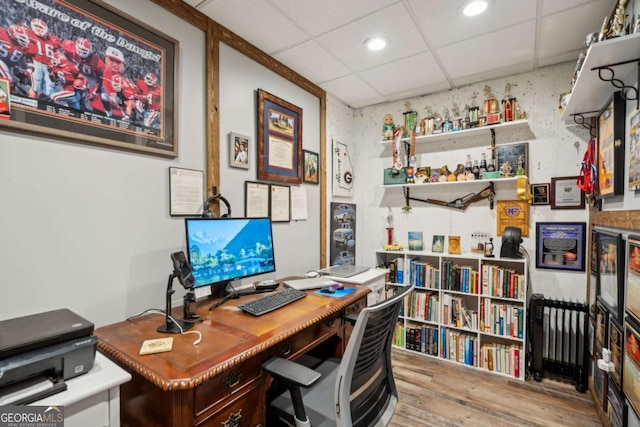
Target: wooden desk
{"x": 220, "y": 381}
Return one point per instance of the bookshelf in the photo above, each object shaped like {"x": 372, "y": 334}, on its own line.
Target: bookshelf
{"x": 466, "y": 309}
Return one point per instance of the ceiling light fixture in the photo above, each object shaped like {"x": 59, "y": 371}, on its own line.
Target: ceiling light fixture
{"x": 375, "y": 43}
{"x": 475, "y": 7}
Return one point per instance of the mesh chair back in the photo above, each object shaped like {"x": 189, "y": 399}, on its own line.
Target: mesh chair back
{"x": 366, "y": 392}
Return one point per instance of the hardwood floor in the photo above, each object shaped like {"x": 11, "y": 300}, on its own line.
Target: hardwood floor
{"x": 436, "y": 393}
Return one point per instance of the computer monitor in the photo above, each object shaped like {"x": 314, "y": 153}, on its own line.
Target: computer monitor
{"x": 224, "y": 249}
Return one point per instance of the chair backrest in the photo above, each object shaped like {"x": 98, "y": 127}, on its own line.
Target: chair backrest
{"x": 365, "y": 393}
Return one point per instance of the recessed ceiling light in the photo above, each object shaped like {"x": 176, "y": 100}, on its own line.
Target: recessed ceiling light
{"x": 475, "y": 7}
{"x": 375, "y": 43}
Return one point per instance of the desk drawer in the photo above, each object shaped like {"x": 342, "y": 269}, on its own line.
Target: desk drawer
{"x": 227, "y": 383}
{"x": 304, "y": 340}
{"x": 244, "y": 410}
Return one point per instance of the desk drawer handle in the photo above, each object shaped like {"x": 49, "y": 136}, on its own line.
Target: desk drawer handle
{"x": 330, "y": 323}
{"x": 233, "y": 379}
{"x": 286, "y": 350}
{"x": 233, "y": 420}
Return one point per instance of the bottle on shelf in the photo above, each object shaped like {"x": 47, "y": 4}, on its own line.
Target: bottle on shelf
{"x": 491, "y": 167}
{"x": 476, "y": 169}
{"x": 467, "y": 165}
{"x": 483, "y": 164}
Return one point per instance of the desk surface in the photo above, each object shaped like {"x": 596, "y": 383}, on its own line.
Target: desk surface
{"x": 229, "y": 336}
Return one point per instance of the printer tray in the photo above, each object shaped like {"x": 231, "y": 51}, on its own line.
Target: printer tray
{"x": 30, "y": 390}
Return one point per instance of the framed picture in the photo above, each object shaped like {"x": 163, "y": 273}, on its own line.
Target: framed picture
{"x": 610, "y": 133}
{"x": 609, "y": 283}
{"x": 279, "y": 139}
{"x": 311, "y": 167}
{"x": 602, "y": 328}
{"x": 256, "y": 199}
{"x": 512, "y": 213}
{"x": 616, "y": 340}
{"x": 561, "y": 245}
{"x": 565, "y": 193}
{"x": 280, "y": 203}
{"x": 130, "y": 105}
{"x": 540, "y": 193}
{"x": 632, "y": 304}
{"x": 517, "y": 155}
{"x": 631, "y": 365}
{"x": 186, "y": 192}
{"x": 5, "y": 99}
{"x": 438, "y": 244}
{"x": 239, "y": 150}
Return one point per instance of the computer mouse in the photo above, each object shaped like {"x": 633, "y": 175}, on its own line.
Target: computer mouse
{"x": 327, "y": 290}
{"x": 311, "y": 274}
{"x": 338, "y": 287}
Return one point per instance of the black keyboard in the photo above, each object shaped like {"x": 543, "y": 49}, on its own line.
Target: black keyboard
{"x": 272, "y": 301}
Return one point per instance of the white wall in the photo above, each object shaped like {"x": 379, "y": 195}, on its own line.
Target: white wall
{"x": 555, "y": 150}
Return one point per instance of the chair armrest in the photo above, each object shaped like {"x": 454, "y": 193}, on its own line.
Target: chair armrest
{"x": 351, "y": 318}
{"x": 291, "y": 372}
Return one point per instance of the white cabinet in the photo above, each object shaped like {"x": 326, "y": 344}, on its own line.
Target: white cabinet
{"x": 465, "y": 308}
{"x": 373, "y": 279}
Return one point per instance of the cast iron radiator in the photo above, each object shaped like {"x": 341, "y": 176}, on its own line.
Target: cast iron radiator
{"x": 558, "y": 331}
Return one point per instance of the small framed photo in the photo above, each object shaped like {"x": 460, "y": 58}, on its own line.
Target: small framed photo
{"x": 565, "y": 193}
{"x": 239, "y": 150}
{"x": 540, "y": 193}
{"x": 438, "y": 244}
{"x": 616, "y": 340}
{"x": 311, "y": 167}
{"x": 516, "y": 155}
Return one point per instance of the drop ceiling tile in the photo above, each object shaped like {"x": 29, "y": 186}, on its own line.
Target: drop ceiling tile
{"x": 352, "y": 90}
{"x": 417, "y": 71}
{"x": 393, "y": 23}
{"x": 495, "y": 73}
{"x": 312, "y": 61}
{"x": 554, "y": 6}
{"x": 318, "y": 17}
{"x": 514, "y": 45}
{"x": 257, "y": 22}
{"x": 443, "y": 22}
{"x": 192, "y": 2}
{"x": 566, "y": 31}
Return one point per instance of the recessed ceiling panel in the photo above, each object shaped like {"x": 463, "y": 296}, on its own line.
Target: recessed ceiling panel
{"x": 392, "y": 23}
{"x": 443, "y": 22}
{"x": 417, "y": 71}
{"x": 256, "y": 21}
{"x": 514, "y": 45}
{"x": 312, "y": 61}
{"x": 319, "y": 17}
{"x": 555, "y": 6}
{"x": 352, "y": 90}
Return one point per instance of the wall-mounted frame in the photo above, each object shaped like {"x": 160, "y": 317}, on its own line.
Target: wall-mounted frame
{"x": 631, "y": 365}
{"x": 632, "y": 300}
{"x": 610, "y": 133}
{"x": 279, "y": 139}
{"x": 514, "y": 154}
{"x": 239, "y": 150}
{"x": 565, "y": 193}
{"x": 540, "y": 193}
{"x": 186, "y": 192}
{"x": 634, "y": 152}
{"x": 144, "y": 62}
{"x": 561, "y": 245}
{"x": 256, "y": 199}
{"x": 616, "y": 340}
{"x": 311, "y": 167}
{"x": 609, "y": 283}
{"x": 602, "y": 328}
{"x": 280, "y": 203}
{"x": 512, "y": 213}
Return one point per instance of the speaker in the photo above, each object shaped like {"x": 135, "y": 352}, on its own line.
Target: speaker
{"x": 511, "y": 243}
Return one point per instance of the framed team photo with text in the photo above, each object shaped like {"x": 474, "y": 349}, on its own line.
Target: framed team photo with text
{"x": 82, "y": 70}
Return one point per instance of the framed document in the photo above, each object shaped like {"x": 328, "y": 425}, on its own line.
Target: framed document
{"x": 565, "y": 193}
{"x": 186, "y": 191}
{"x": 561, "y": 245}
{"x": 279, "y": 139}
{"x": 256, "y": 199}
{"x": 513, "y": 213}
{"x": 633, "y": 278}
{"x": 280, "y": 203}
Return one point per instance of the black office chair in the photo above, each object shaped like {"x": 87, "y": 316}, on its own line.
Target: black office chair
{"x": 357, "y": 390}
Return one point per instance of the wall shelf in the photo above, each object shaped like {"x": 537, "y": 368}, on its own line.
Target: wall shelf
{"x": 590, "y": 92}
{"x": 467, "y": 133}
